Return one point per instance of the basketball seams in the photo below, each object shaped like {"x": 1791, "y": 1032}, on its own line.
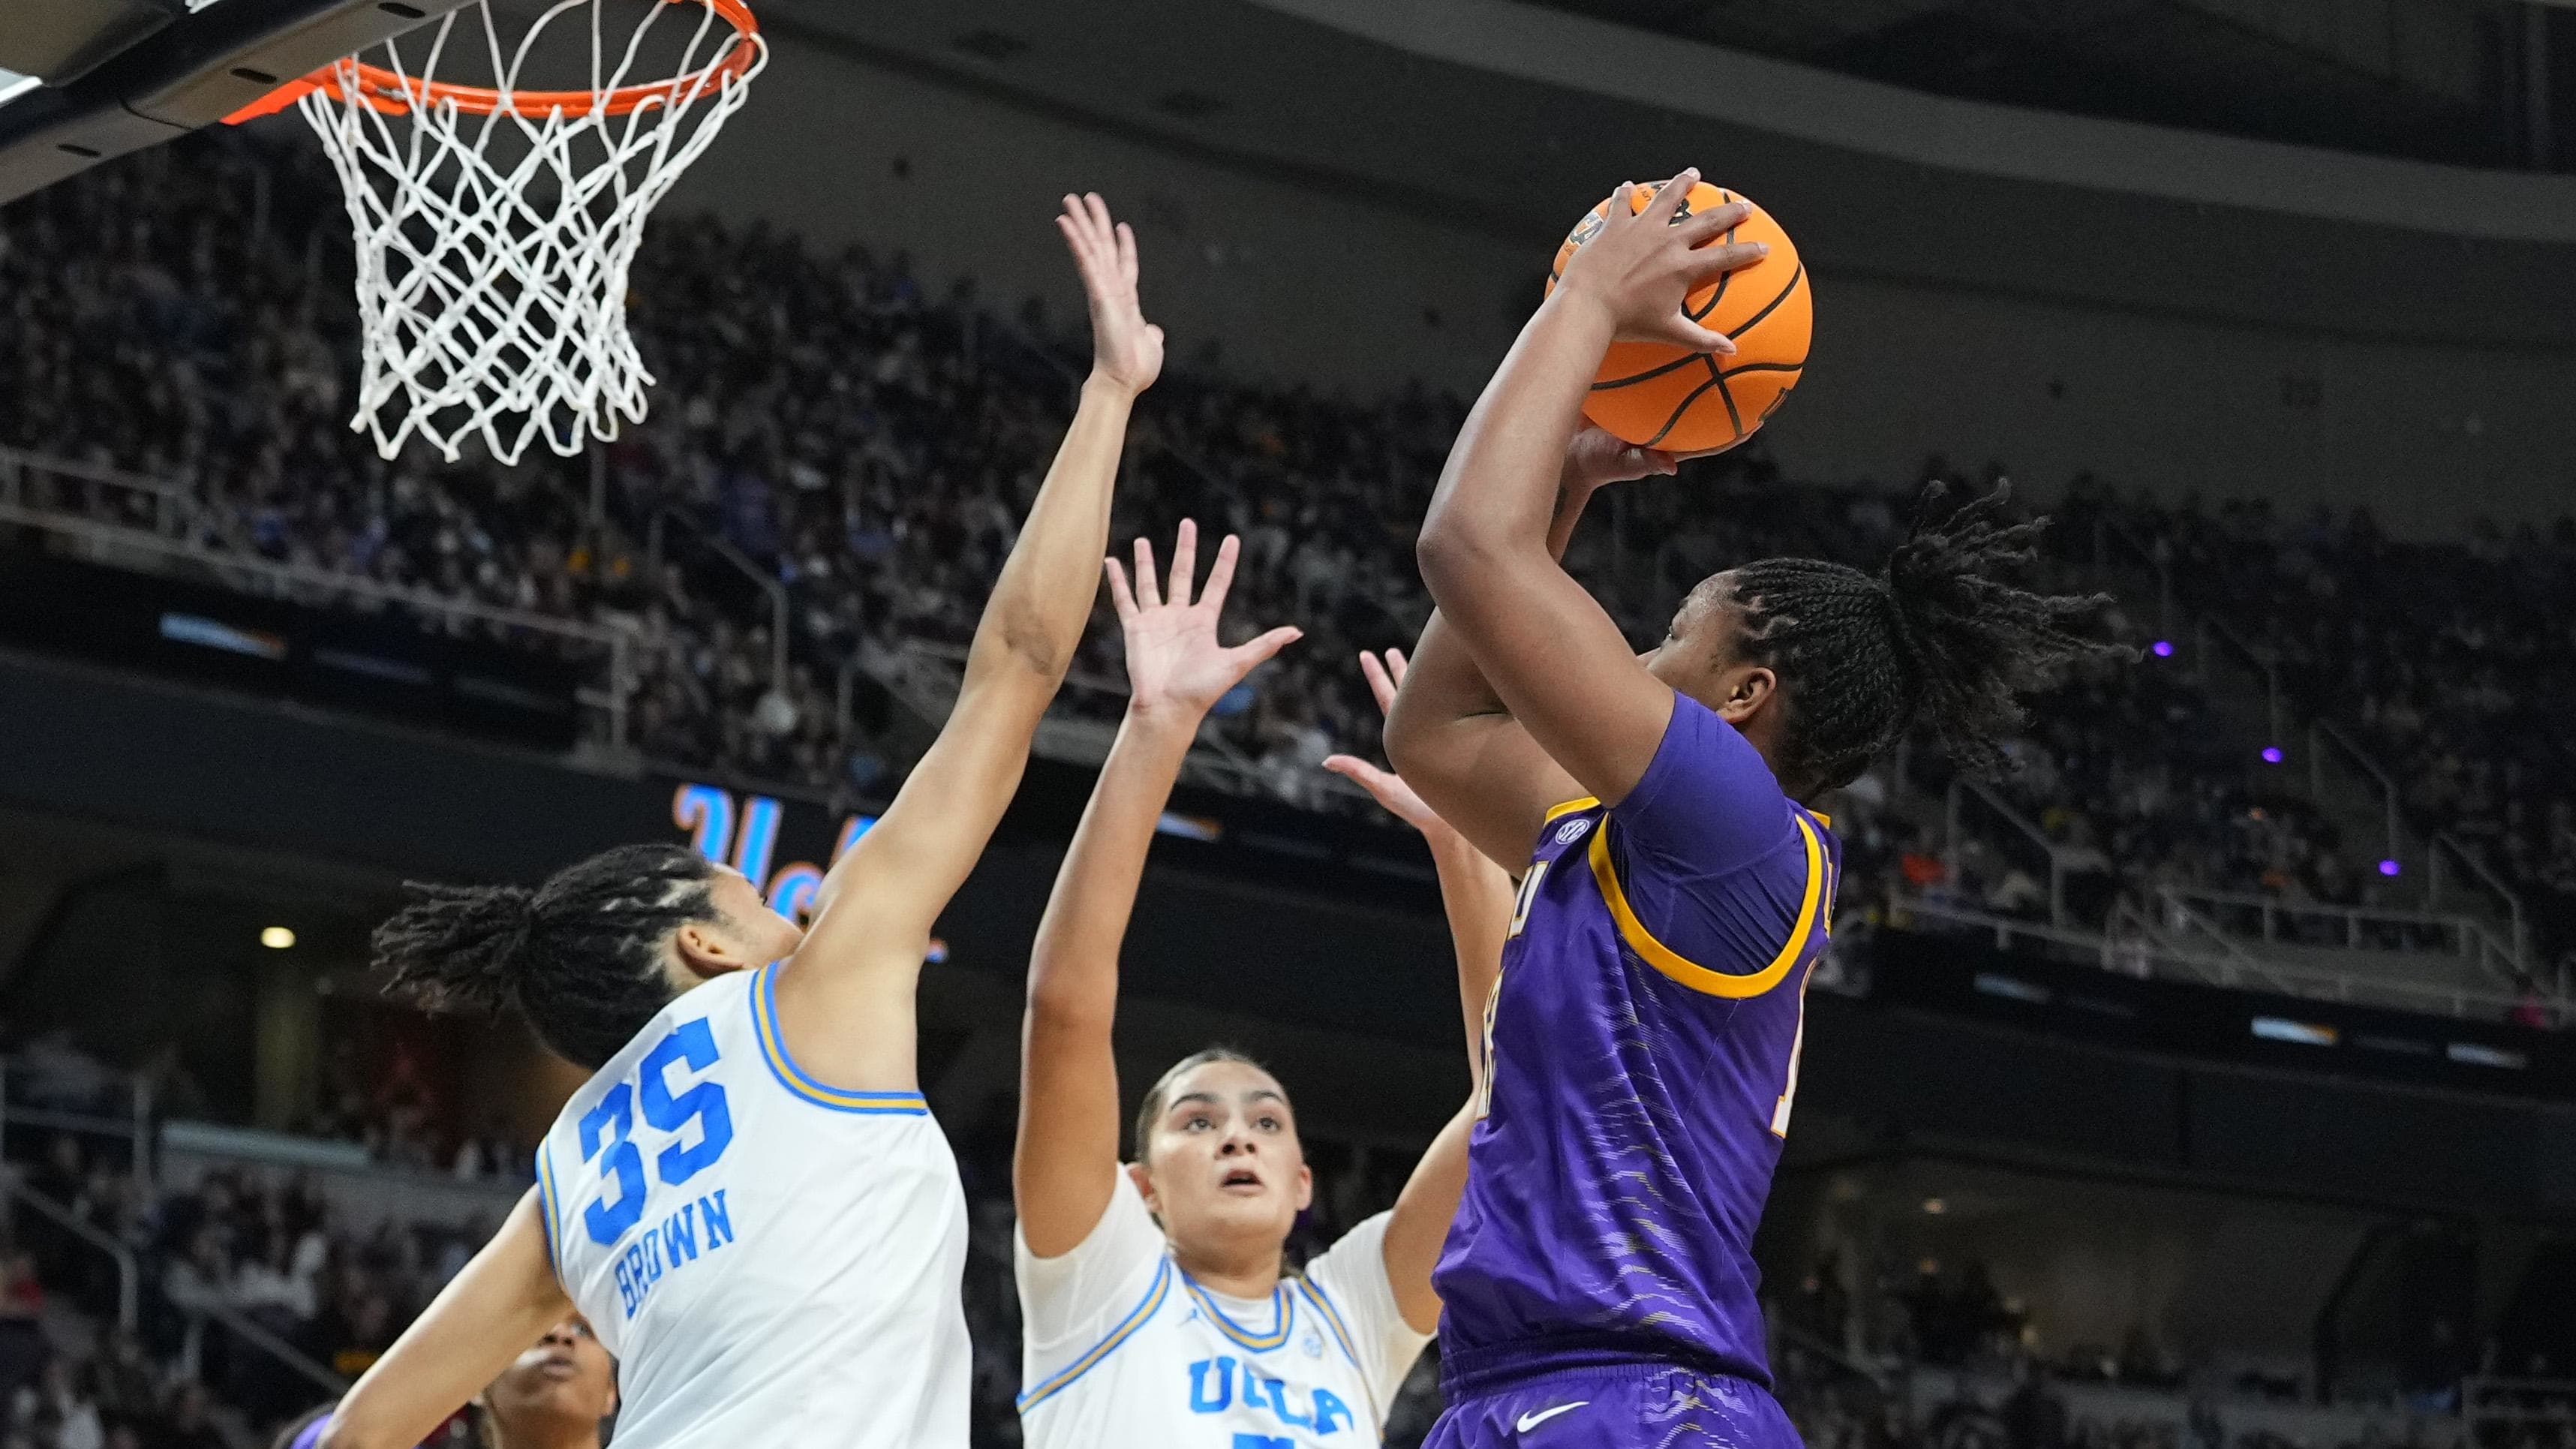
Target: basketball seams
{"x": 1650, "y": 374}
{"x": 1632, "y": 399}
{"x": 1773, "y": 305}
{"x": 1724, "y": 198}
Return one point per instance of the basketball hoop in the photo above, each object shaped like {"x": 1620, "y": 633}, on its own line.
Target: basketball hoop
{"x": 492, "y": 287}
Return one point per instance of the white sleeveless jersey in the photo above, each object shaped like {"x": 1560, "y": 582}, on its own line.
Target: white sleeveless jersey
{"x": 771, "y": 1260}
{"x": 1121, "y": 1348}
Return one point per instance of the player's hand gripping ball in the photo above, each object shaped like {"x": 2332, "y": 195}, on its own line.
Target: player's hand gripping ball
{"x": 1661, "y": 395}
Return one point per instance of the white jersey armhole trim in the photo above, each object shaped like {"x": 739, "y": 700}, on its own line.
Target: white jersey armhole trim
{"x": 1136, "y": 1318}
{"x": 773, "y": 1050}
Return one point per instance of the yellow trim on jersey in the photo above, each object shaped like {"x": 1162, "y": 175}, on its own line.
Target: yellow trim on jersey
{"x": 1342, "y": 1334}
{"x": 1823, "y": 819}
{"x": 1689, "y": 973}
{"x": 546, "y": 1209}
{"x": 773, "y": 1049}
{"x": 1283, "y": 1313}
{"x": 1568, "y": 807}
{"x": 1136, "y": 1318}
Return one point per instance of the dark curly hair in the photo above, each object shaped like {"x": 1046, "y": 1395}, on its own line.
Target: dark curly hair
{"x": 1935, "y": 636}
{"x": 580, "y": 956}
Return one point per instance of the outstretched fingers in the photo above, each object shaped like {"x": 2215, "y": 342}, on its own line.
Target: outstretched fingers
{"x": 1365, "y": 775}
{"x": 1119, "y": 597}
{"x": 1382, "y": 680}
{"x": 1185, "y": 562}
{"x": 1221, "y": 574}
{"x": 1147, "y": 595}
{"x": 1259, "y": 651}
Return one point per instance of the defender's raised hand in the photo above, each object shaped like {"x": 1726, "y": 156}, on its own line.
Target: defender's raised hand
{"x": 1175, "y": 664}
{"x": 1126, "y": 349}
{"x": 1386, "y": 786}
{"x": 1642, "y": 265}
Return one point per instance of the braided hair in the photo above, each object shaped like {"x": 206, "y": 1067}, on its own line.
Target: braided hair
{"x": 580, "y": 956}
{"x": 1935, "y": 635}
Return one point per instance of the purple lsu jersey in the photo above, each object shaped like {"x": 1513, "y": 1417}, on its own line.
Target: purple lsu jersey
{"x": 1643, "y": 1057}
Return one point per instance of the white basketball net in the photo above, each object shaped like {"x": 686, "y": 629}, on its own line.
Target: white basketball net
{"x": 492, "y": 289}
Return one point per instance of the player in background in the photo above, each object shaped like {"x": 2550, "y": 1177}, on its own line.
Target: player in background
{"x": 749, "y": 1201}
{"x": 1599, "y": 1286}
{"x": 554, "y": 1396}
{"x": 1155, "y": 1305}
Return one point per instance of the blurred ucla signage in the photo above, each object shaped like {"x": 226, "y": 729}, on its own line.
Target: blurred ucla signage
{"x": 745, "y": 831}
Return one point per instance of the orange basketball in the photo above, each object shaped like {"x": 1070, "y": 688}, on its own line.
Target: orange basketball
{"x": 1657, "y": 395}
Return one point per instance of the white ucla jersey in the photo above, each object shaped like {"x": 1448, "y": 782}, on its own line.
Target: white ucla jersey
{"x": 771, "y": 1260}
{"x": 1120, "y": 1347}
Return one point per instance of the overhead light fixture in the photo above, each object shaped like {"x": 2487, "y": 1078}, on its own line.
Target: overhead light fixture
{"x": 276, "y": 938}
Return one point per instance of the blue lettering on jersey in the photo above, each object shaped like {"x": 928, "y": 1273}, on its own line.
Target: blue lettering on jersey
{"x": 1212, "y": 1392}
{"x": 700, "y": 1226}
{"x": 1262, "y": 1441}
{"x": 690, "y": 1042}
{"x": 1203, "y": 1402}
{"x": 608, "y": 1217}
{"x": 680, "y": 1235}
{"x": 607, "y": 1134}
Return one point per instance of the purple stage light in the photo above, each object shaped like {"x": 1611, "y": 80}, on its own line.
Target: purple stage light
{"x": 2164, "y": 648}
{"x": 2271, "y": 754}
{"x": 2389, "y": 867}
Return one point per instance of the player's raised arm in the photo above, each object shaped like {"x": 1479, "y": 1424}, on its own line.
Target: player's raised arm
{"x": 1476, "y": 896}
{"x": 846, "y": 1001}
{"x": 1554, "y": 657}
{"x": 1065, "y": 1164}
{"x": 505, "y": 1298}
{"x": 1462, "y": 749}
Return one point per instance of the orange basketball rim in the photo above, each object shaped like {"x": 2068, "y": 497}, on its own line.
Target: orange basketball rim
{"x": 393, "y": 93}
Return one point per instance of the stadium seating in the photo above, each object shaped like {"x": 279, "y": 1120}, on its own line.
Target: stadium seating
{"x": 837, "y": 456}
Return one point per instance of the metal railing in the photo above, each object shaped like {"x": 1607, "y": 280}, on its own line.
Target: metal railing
{"x": 2355, "y": 928}
{"x": 129, "y": 1273}
{"x": 305, "y": 584}
{"x": 2445, "y": 846}
{"x": 2235, "y": 965}
{"x": 2516, "y": 1405}
{"x": 723, "y": 548}
{"x": 932, "y": 674}
{"x": 2321, "y": 735}
{"x": 250, "y": 1331}
{"x": 2210, "y": 631}
{"x": 1962, "y": 790}
{"x": 175, "y": 507}
{"x": 2136, "y": 956}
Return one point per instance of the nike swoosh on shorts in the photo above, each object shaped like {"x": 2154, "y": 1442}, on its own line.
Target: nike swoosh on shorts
{"x": 1528, "y": 1422}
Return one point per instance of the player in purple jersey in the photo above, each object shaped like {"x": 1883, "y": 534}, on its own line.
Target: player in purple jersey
{"x": 1598, "y": 1285}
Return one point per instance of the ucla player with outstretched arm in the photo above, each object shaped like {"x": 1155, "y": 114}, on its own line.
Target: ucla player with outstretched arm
{"x": 1154, "y": 1303}
{"x": 1676, "y": 889}
{"x": 749, "y": 1201}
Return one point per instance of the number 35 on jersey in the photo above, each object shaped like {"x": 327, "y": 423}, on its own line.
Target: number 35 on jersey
{"x": 687, "y": 1125}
